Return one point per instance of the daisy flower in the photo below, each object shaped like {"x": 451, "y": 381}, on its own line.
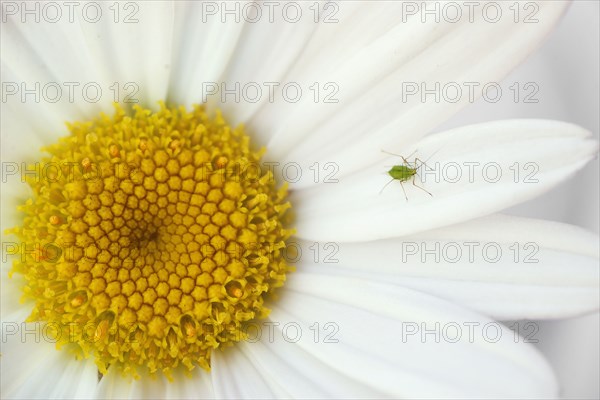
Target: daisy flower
{"x": 244, "y": 248}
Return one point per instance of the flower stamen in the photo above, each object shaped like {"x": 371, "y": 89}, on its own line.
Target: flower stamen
{"x": 160, "y": 253}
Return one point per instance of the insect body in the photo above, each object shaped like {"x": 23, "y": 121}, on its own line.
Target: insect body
{"x": 405, "y": 172}
{"x": 402, "y": 173}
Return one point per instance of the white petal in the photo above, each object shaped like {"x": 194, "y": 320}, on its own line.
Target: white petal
{"x": 198, "y": 386}
{"x": 141, "y": 72}
{"x": 50, "y": 66}
{"x": 205, "y": 46}
{"x": 32, "y": 368}
{"x": 264, "y": 53}
{"x": 78, "y": 380}
{"x": 296, "y": 371}
{"x": 22, "y": 138}
{"x": 379, "y": 338}
{"x": 234, "y": 376}
{"x": 379, "y": 49}
{"x": 116, "y": 386}
{"x": 473, "y": 171}
{"x": 505, "y": 267}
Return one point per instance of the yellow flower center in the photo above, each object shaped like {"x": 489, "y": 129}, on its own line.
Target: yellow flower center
{"x": 156, "y": 237}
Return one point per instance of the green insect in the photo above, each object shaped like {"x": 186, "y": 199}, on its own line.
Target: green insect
{"x": 403, "y": 173}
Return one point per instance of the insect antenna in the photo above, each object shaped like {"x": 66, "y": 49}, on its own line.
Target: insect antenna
{"x": 398, "y": 155}
{"x": 428, "y": 158}
{"x": 391, "y": 154}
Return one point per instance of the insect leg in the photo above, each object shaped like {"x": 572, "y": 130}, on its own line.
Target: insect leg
{"x": 402, "y": 186}
{"x": 415, "y": 184}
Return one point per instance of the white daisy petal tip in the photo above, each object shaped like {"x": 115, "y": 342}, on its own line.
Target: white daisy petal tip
{"x": 549, "y": 144}
{"x": 473, "y": 171}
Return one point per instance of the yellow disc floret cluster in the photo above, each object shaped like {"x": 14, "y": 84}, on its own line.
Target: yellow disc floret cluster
{"x": 152, "y": 239}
